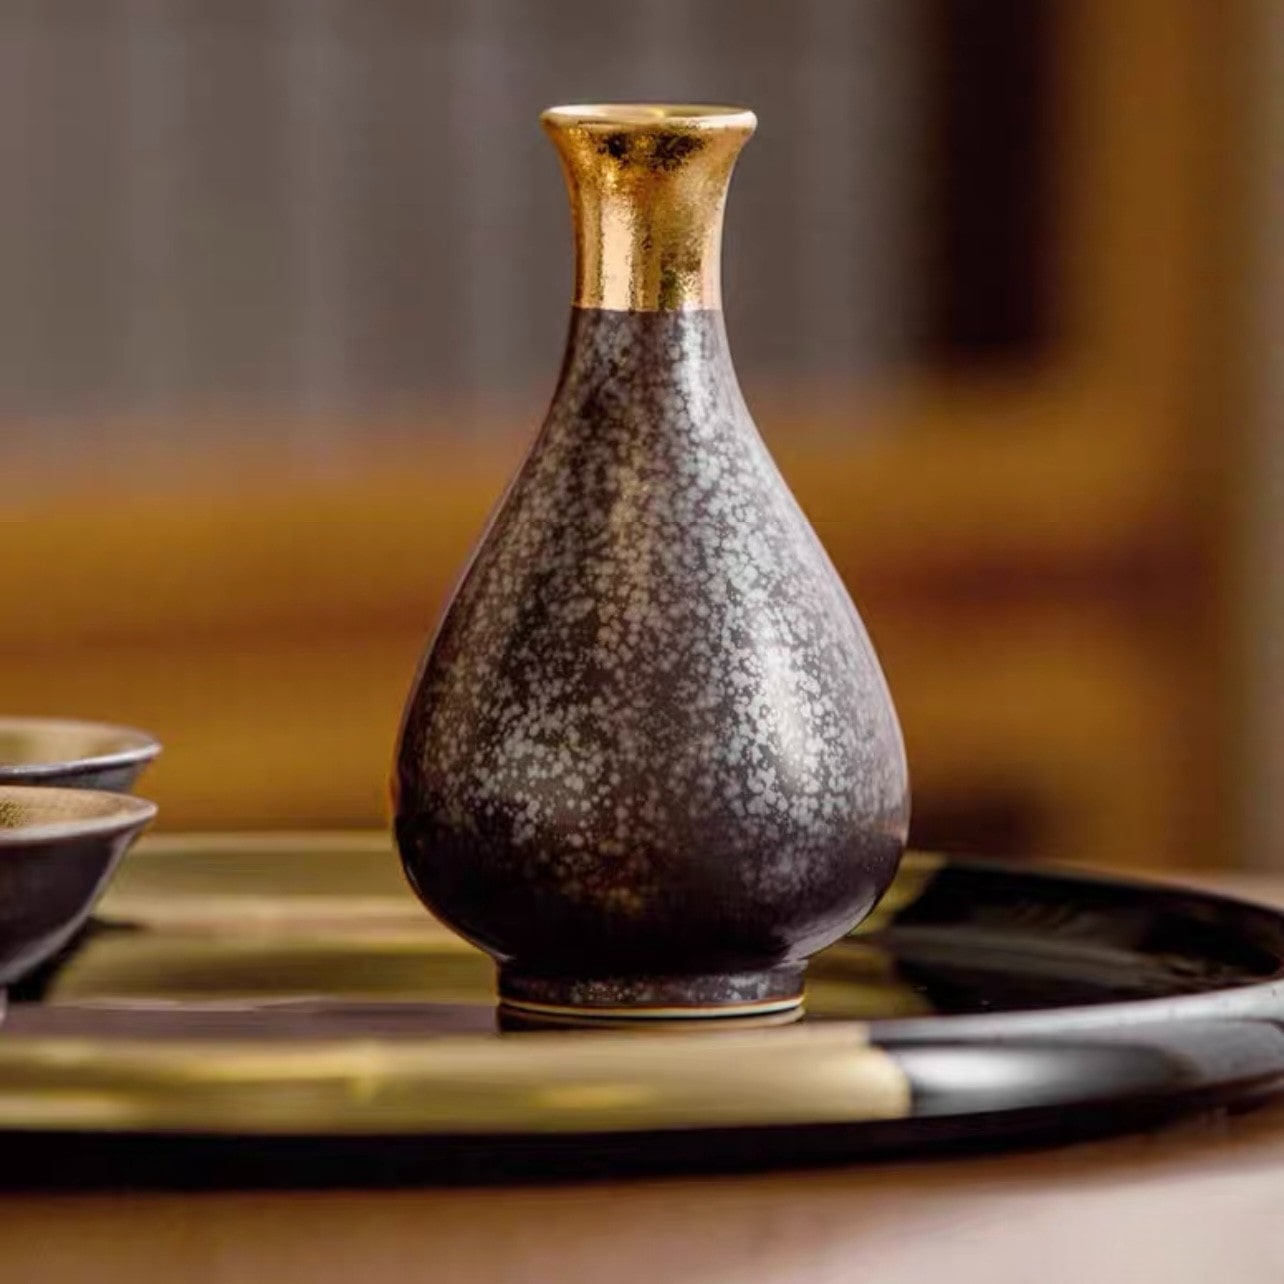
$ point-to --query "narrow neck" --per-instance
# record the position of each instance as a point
(647, 186)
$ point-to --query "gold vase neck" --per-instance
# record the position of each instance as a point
(648, 183)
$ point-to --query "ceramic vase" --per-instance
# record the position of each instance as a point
(650, 762)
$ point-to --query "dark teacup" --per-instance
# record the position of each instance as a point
(58, 851)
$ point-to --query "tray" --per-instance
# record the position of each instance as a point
(264, 1010)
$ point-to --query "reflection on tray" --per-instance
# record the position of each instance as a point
(327, 921)
(125, 966)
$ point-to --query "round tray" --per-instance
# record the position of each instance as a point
(279, 1010)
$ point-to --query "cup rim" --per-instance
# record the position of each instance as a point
(102, 813)
(137, 747)
(643, 116)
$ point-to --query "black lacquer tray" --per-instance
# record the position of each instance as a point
(278, 1010)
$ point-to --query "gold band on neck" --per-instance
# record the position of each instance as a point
(647, 184)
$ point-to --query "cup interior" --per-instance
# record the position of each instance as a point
(27, 743)
(30, 813)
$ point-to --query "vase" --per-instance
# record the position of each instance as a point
(650, 763)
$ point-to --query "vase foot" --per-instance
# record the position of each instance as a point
(649, 998)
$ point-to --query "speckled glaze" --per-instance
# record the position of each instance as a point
(650, 761)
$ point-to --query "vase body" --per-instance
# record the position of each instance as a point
(650, 763)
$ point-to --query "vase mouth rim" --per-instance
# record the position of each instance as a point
(648, 115)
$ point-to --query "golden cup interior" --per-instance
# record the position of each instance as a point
(36, 812)
(49, 742)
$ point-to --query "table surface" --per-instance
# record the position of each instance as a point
(1198, 1201)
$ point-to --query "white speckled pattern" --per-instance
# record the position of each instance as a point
(651, 732)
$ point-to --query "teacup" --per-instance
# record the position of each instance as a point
(58, 851)
(73, 754)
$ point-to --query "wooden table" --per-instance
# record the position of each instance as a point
(1200, 1201)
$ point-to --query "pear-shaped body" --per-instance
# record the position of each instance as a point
(650, 763)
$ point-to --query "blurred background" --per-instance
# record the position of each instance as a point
(284, 293)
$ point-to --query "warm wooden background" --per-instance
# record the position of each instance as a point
(1039, 547)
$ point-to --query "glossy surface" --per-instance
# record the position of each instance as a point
(73, 754)
(58, 849)
(288, 990)
(651, 761)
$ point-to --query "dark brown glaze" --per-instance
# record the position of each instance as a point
(119, 778)
(651, 741)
